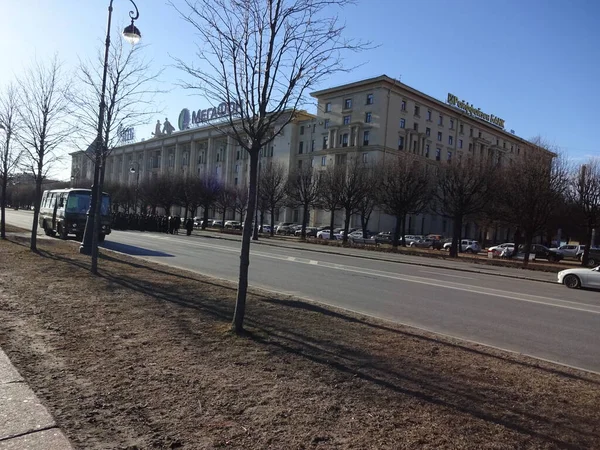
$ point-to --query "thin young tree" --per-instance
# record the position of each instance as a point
(584, 193)
(225, 202)
(303, 190)
(259, 59)
(209, 192)
(241, 201)
(370, 201)
(9, 154)
(405, 188)
(463, 190)
(272, 189)
(44, 111)
(332, 183)
(353, 189)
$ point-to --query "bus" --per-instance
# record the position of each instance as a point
(63, 212)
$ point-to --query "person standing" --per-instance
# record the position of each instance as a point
(189, 226)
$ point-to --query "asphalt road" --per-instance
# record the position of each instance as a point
(540, 319)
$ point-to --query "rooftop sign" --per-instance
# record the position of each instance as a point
(469, 109)
(206, 115)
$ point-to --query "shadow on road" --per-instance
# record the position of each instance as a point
(133, 250)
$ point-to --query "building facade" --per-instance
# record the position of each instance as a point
(370, 119)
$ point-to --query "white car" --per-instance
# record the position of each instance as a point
(569, 250)
(501, 247)
(576, 278)
(466, 245)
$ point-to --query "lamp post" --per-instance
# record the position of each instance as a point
(135, 170)
(92, 225)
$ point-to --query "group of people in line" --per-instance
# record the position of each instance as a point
(151, 222)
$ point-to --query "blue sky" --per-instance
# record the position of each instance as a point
(534, 63)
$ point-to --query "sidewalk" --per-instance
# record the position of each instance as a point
(25, 424)
(461, 266)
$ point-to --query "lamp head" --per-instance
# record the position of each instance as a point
(132, 34)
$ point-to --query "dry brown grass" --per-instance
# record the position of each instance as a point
(141, 357)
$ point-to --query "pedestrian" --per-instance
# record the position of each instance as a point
(189, 226)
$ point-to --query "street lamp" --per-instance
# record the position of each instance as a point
(133, 169)
(92, 225)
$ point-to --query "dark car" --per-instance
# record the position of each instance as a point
(543, 252)
(385, 237)
(310, 232)
(429, 243)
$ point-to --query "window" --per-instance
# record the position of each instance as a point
(450, 140)
(327, 107)
(414, 146)
(368, 117)
(403, 105)
(323, 160)
(470, 147)
(479, 134)
(460, 143)
(369, 99)
(452, 124)
(235, 181)
(300, 164)
(302, 129)
(366, 137)
(439, 136)
(401, 143)
(512, 147)
(461, 128)
(348, 103)
(417, 110)
(498, 142)
(438, 154)
(237, 155)
(300, 147)
(427, 151)
(416, 126)
(402, 123)
(428, 131)
(312, 145)
(449, 156)
(344, 140)
(237, 168)
(441, 120)
(504, 144)
(326, 123)
(365, 158)
(346, 120)
(471, 132)
(429, 115)
(325, 142)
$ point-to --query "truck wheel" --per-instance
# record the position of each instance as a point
(48, 231)
(101, 237)
(592, 262)
(62, 232)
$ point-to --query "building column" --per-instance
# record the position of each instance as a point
(145, 161)
(210, 156)
(177, 163)
(193, 162)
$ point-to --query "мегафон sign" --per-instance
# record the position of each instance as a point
(206, 115)
(469, 109)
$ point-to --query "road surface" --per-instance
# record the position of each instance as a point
(540, 319)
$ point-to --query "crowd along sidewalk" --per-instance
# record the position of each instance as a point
(25, 424)
(510, 272)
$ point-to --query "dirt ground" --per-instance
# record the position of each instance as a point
(141, 358)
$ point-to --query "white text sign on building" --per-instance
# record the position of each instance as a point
(469, 109)
(206, 115)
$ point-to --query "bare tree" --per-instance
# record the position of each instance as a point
(303, 189)
(406, 188)
(272, 189)
(354, 188)
(533, 191)
(9, 155)
(584, 193)
(259, 59)
(367, 204)
(241, 201)
(463, 190)
(209, 191)
(225, 202)
(332, 184)
(166, 191)
(44, 112)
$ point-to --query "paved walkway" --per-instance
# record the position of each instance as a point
(463, 266)
(25, 424)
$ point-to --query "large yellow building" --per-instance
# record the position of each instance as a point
(368, 119)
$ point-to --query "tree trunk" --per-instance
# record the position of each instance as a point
(204, 217)
(240, 303)
(456, 236)
(305, 216)
(272, 220)
(346, 226)
(588, 244)
(403, 231)
(3, 204)
(36, 211)
(397, 228)
(331, 224)
(517, 241)
(528, 241)
(363, 225)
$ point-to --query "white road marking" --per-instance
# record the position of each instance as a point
(313, 262)
(446, 274)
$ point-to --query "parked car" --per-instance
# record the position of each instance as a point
(429, 243)
(437, 237)
(310, 231)
(216, 223)
(466, 246)
(409, 238)
(501, 247)
(197, 221)
(543, 252)
(233, 224)
(593, 256)
(569, 250)
(265, 229)
(384, 237)
(284, 228)
(580, 277)
(324, 234)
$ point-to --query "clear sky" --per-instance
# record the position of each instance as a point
(534, 63)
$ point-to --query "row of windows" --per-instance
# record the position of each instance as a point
(365, 160)
(345, 120)
(348, 103)
(343, 141)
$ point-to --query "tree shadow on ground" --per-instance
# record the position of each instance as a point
(132, 250)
